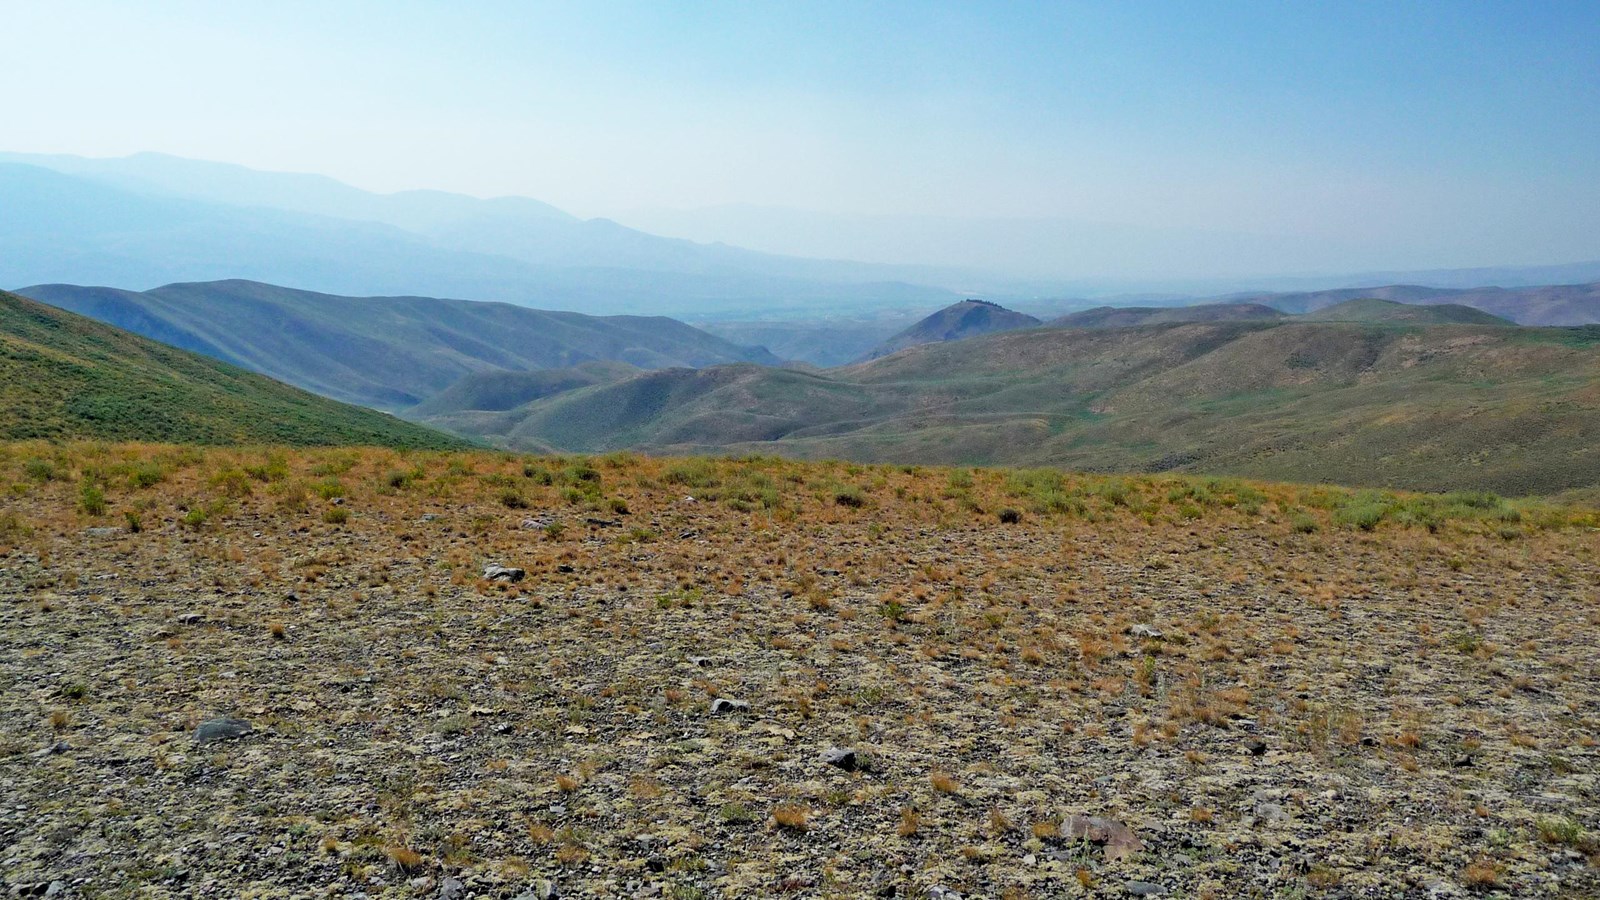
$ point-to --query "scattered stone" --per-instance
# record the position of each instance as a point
(102, 531)
(1116, 839)
(721, 705)
(603, 523)
(840, 757)
(541, 890)
(942, 893)
(191, 619)
(223, 728)
(1145, 889)
(701, 661)
(57, 748)
(503, 573)
(1256, 747)
(452, 889)
(1140, 630)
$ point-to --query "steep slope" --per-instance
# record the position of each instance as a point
(504, 389)
(956, 322)
(1129, 316)
(1373, 310)
(1438, 407)
(387, 352)
(66, 376)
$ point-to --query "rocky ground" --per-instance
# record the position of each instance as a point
(762, 678)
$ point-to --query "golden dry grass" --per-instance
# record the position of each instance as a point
(1423, 691)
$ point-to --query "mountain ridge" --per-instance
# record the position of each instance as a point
(386, 352)
(67, 376)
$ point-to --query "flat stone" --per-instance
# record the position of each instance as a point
(1144, 889)
(503, 573)
(1145, 631)
(223, 728)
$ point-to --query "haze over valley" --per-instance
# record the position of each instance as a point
(700, 450)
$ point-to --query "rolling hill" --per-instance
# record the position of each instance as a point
(385, 352)
(1128, 316)
(1436, 407)
(66, 376)
(1551, 304)
(956, 322)
(1375, 311)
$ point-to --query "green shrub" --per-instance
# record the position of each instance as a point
(336, 515)
(1303, 523)
(40, 470)
(1365, 516)
(91, 499)
(850, 496)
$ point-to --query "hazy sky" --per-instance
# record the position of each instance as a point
(1440, 133)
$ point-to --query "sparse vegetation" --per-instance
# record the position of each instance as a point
(973, 669)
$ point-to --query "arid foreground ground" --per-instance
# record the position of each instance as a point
(1256, 690)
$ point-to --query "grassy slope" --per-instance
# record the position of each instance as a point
(1554, 304)
(956, 322)
(1506, 409)
(1375, 310)
(63, 375)
(1129, 316)
(388, 352)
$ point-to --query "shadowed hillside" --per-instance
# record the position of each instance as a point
(1442, 407)
(62, 375)
(387, 352)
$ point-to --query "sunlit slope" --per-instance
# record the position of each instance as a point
(63, 375)
(1439, 407)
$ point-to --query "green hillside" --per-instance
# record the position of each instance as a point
(1377, 311)
(1447, 407)
(66, 376)
(956, 322)
(1130, 316)
(385, 352)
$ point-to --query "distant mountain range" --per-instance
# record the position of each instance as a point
(385, 352)
(146, 220)
(66, 376)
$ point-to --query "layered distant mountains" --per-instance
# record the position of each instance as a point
(150, 219)
(386, 352)
(66, 376)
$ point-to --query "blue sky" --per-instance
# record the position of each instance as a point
(1441, 133)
